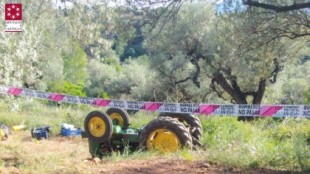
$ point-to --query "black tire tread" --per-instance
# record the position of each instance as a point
(192, 120)
(123, 113)
(109, 130)
(167, 123)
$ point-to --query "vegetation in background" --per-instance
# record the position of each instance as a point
(117, 52)
(69, 88)
(75, 65)
(307, 97)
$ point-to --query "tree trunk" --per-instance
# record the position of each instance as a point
(237, 95)
(257, 98)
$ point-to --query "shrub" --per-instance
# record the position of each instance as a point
(68, 88)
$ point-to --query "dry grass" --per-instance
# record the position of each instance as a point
(22, 154)
(59, 155)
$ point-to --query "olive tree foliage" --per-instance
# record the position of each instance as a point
(292, 87)
(293, 83)
(30, 58)
(134, 74)
(95, 27)
(45, 54)
(307, 100)
(282, 23)
(285, 18)
(99, 75)
(129, 81)
(92, 25)
(215, 46)
(75, 61)
(175, 73)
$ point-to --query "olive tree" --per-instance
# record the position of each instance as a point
(32, 57)
(217, 49)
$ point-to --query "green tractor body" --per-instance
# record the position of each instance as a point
(125, 135)
(111, 132)
(122, 138)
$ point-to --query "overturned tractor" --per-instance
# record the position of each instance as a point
(111, 131)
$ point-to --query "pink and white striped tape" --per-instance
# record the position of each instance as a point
(203, 108)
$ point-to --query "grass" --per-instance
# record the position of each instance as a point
(282, 144)
(23, 154)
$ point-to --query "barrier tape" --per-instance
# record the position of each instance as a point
(205, 109)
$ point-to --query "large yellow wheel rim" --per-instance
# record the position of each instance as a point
(117, 119)
(163, 140)
(96, 126)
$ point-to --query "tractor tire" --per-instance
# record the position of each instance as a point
(190, 121)
(165, 134)
(119, 117)
(98, 126)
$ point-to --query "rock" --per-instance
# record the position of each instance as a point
(97, 160)
(205, 165)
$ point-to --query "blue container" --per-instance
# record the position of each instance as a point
(70, 132)
(39, 133)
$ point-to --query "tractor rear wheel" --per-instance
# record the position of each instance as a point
(119, 117)
(165, 134)
(190, 121)
(98, 126)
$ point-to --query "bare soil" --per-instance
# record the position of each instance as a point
(159, 166)
(21, 154)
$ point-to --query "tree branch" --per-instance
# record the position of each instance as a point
(277, 8)
(277, 69)
(182, 81)
(196, 73)
(213, 87)
(222, 81)
(234, 84)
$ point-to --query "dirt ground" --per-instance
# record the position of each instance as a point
(159, 166)
(21, 154)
